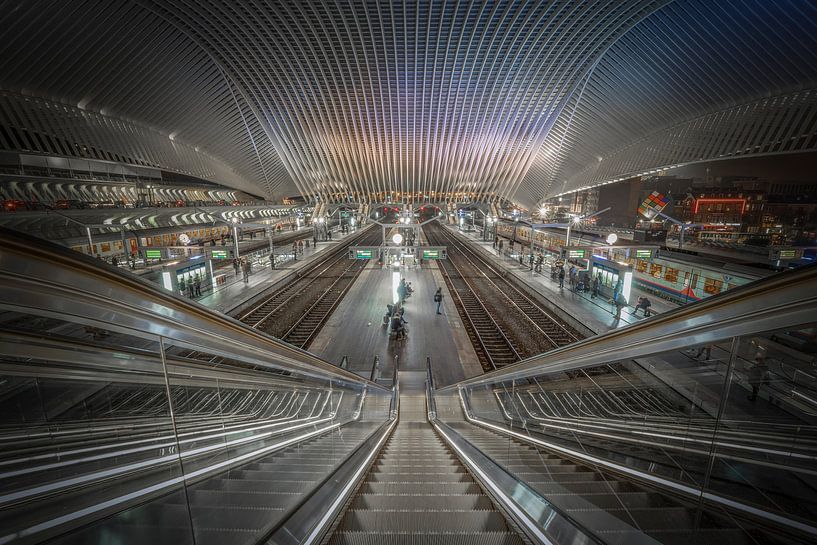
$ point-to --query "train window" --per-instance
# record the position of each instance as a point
(641, 265)
(713, 286)
(105, 246)
(656, 270)
(117, 245)
(671, 275)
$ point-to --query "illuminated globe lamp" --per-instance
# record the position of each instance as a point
(397, 238)
(612, 238)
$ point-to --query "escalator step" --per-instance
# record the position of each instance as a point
(423, 521)
(428, 538)
(414, 477)
(428, 501)
(420, 488)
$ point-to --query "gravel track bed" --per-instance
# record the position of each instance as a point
(488, 287)
(314, 287)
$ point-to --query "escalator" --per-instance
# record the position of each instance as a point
(418, 491)
(621, 510)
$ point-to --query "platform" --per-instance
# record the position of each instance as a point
(597, 315)
(232, 295)
(356, 329)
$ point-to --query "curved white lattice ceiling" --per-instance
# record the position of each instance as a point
(491, 99)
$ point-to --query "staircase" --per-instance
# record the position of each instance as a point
(418, 492)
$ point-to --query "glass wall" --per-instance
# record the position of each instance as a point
(114, 435)
(707, 440)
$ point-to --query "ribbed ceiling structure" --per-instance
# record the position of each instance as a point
(417, 100)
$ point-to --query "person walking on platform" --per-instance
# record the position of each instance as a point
(295, 251)
(540, 259)
(236, 266)
(329, 234)
(401, 291)
(561, 277)
(246, 269)
(501, 243)
(496, 239)
(758, 376)
(530, 260)
(315, 240)
(272, 260)
(301, 247)
(438, 298)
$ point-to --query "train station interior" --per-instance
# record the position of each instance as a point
(347, 272)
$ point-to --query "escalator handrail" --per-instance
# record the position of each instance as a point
(784, 300)
(46, 278)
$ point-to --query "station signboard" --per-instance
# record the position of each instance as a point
(643, 254)
(153, 254)
(436, 252)
(580, 253)
(363, 252)
(784, 254)
(219, 254)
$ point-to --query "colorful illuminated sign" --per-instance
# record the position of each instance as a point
(363, 254)
(698, 203)
(576, 254)
(153, 254)
(219, 254)
(653, 204)
(643, 254)
(431, 254)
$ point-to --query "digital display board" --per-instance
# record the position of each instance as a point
(643, 254)
(576, 254)
(788, 254)
(153, 254)
(363, 254)
(219, 254)
(431, 254)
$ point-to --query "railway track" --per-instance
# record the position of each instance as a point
(296, 312)
(505, 323)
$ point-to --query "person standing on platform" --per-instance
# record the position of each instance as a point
(301, 247)
(236, 266)
(530, 260)
(596, 286)
(306, 243)
(183, 286)
(246, 267)
(501, 243)
(329, 234)
(561, 277)
(496, 239)
(315, 240)
(438, 298)
(272, 260)
(619, 303)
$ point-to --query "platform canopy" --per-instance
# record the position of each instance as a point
(410, 101)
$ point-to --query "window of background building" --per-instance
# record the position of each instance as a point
(656, 270)
(671, 275)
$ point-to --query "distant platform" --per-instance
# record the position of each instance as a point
(356, 328)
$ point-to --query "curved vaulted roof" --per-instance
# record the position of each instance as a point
(499, 98)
